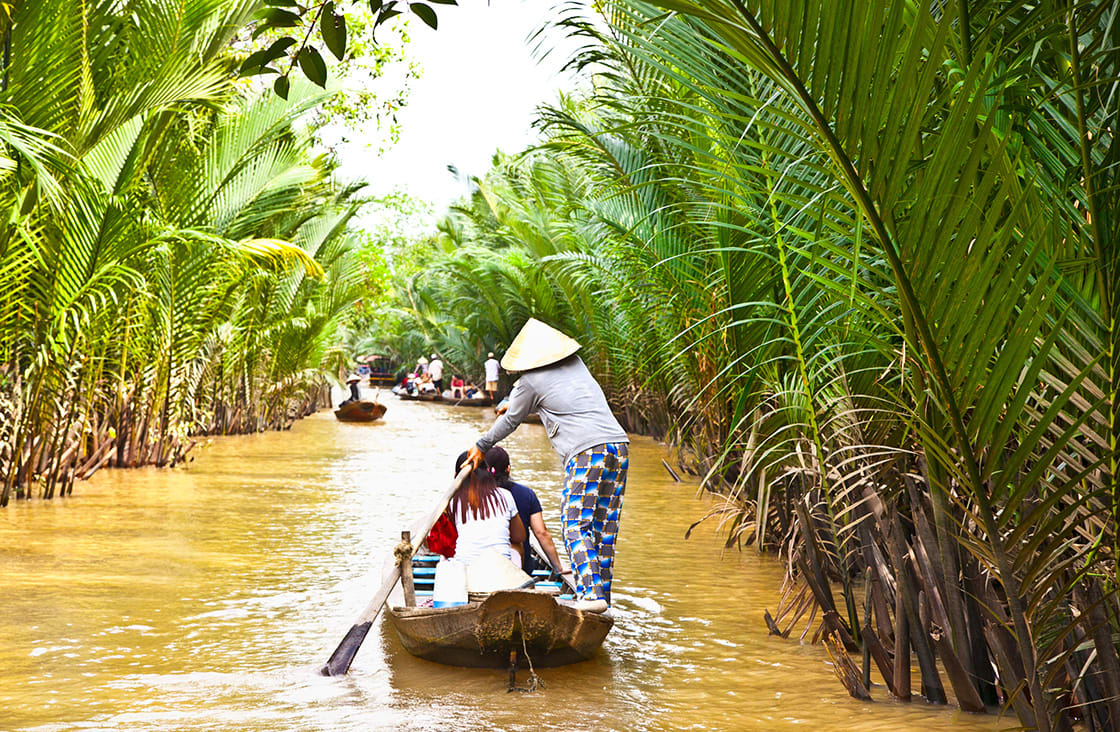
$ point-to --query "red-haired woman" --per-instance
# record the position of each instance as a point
(485, 517)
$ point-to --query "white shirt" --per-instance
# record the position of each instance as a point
(475, 535)
(435, 368)
(491, 369)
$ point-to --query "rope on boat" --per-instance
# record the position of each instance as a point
(403, 552)
(535, 682)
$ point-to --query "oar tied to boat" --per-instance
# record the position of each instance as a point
(529, 625)
(343, 656)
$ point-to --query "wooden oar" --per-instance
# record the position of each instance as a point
(339, 662)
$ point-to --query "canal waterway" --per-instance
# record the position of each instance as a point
(206, 598)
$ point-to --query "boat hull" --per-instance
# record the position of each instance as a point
(482, 634)
(362, 411)
(468, 402)
(420, 397)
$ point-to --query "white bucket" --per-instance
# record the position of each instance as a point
(451, 584)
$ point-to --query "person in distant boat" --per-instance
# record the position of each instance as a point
(355, 394)
(528, 508)
(491, 367)
(425, 385)
(435, 368)
(421, 366)
(485, 517)
(457, 387)
(556, 384)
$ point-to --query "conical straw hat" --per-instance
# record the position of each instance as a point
(537, 345)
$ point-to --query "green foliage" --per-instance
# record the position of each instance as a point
(175, 260)
(330, 21)
(863, 253)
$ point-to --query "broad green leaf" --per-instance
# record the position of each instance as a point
(313, 65)
(425, 13)
(281, 87)
(257, 62)
(277, 18)
(333, 28)
(254, 61)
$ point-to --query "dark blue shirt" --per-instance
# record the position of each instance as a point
(527, 504)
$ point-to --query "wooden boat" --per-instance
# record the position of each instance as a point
(478, 401)
(361, 411)
(428, 397)
(496, 629)
(379, 370)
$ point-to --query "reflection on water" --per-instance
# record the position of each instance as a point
(205, 598)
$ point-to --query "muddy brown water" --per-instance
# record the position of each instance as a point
(206, 598)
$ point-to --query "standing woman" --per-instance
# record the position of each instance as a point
(556, 384)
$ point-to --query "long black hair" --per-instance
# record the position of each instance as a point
(479, 493)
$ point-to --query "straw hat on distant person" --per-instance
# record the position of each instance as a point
(537, 345)
(422, 360)
(352, 378)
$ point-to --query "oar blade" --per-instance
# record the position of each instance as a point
(339, 662)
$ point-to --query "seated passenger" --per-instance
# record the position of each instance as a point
(485, 517)
(355, 394)
(456, 387)
(528, 509)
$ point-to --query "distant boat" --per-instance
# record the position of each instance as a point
(490, 629)
(378, 369)
(481, 399)
(433, 396)
(361, 411)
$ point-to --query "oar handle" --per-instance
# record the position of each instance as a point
(343, 656)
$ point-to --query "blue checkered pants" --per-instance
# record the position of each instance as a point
(590, 510)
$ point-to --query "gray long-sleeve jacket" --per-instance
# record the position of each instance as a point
(571, 404)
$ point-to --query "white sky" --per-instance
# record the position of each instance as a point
(477, 93)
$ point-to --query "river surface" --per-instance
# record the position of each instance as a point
(206, 598)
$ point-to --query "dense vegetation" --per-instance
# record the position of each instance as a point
(174, 258)
(859, 260)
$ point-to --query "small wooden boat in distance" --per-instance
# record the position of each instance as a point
(433, 396)
(482, 399)
(486, 633)
(360, 411)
